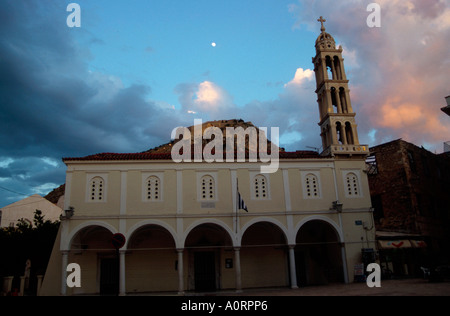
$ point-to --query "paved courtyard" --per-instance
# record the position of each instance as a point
(405, 287)
(400, 287)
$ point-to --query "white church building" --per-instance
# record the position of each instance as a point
(183, 230)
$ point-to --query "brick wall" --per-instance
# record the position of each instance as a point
(411, 190)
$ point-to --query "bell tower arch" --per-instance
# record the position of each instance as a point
(337, 119)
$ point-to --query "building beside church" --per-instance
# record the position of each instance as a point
(306, 223)
(25, 209)
(409, 189)
(446, 109)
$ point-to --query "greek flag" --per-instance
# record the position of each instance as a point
(241, 203)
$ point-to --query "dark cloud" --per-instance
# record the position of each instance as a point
(53, 106)
(5, 173)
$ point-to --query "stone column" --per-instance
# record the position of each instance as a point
(343, 135)
(328, 100)
(333, 70)
(341, 65)
(237, 268)
(323, 64)
(292, 267)
(39, 284)
(8, 281)
(65, 258)
(22, 285)
(122, 288)
(338, 101)
(348, 101)
(335, 132)
(180, 272)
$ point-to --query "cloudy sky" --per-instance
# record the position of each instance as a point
(134, 70)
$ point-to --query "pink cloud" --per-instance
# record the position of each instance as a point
(301, 75)
(428, 9)
(401, 74)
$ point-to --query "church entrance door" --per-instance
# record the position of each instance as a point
(109, 276)
(205, 271)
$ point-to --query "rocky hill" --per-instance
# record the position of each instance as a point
(55, 194)
(222, 125)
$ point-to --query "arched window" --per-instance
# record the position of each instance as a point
(153, 188)
(339, 133)
(337, 67)
(97, 189)
(312, 186)
(207, 188)
(328, 64)
(349, 133)
(343, 99)
(260, 187)
(352, 185)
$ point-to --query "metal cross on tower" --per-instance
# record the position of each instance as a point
(321, 20)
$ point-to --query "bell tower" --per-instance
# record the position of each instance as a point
(337, 119)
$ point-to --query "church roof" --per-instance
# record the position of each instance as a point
(326, 38)
(301, 154)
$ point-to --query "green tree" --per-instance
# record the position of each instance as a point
(26, 241)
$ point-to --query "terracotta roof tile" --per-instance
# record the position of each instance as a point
(167, 156)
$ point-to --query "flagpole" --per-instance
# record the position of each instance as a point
(237, 204)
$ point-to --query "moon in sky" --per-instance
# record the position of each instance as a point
(213, 44)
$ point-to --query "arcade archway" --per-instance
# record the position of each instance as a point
(264, 256)
(318, 254)
(208, 246)
(92, 249)
(151, 260)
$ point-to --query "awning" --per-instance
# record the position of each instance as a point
(418, 243)
(401, 244)
(394, 244)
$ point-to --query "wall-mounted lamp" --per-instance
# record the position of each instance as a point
(67, 213)
(337, 206)
(70, 211)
